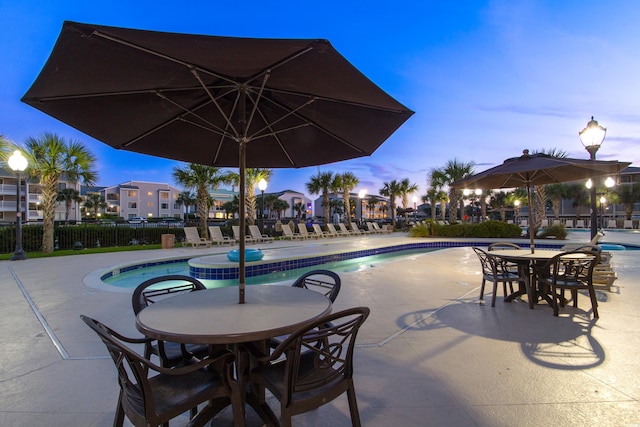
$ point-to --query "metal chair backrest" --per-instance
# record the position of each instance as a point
(324, 281)
(143, 297)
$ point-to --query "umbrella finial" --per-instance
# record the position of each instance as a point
(525, 152)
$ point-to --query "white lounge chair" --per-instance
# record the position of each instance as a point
(192, 237)
(218, 238)
(290, 235)
(612, 223)
(568, 223)
(320, 233)
(580, 223)
(628, 223)
(385, 230)
(356, 229)
(332, 229)
(236, 235)
(372, 229)
(302, 229)
(258, 236)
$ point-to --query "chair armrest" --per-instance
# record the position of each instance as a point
(226, 355)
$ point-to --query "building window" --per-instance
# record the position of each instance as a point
(164, 195)
(133, 205)
(164, 205)
(150, 204)
(149, 193)
(132, 194)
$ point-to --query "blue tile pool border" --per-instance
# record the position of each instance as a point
(266, 267)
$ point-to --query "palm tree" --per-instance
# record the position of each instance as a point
(432, 198)
(346, 182)
(581, 197)
(186, 199)
(68, 196)
(372, 201)
(252, 177)
(628, 195)
(556, 192)
(321, 184)
(454, 170)
(299, 209)
(6, 147)
(95, 202)
(391, 189)
(280, 206)
(405, 188)
(50, 157)
(199, 178)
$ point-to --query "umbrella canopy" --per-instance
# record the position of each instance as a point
(218, 101)
(538, 169)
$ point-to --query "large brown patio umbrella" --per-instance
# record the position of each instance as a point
(530, 170)
(218, 101)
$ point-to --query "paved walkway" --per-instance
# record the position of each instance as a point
(430, 354)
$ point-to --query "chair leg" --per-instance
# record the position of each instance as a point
(495, 291)
(557, 299)
(594, 301)
(574, 296)
(118, 420)
(353, 406)
(482, 289)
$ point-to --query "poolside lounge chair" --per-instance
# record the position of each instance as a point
(192, 237)
(612, 223)
(290, 235)
(341, 230)
(236, 235)
(356, 229)
(318, 231)
(384, 230)
(372, 229)
(628, 223)
(218, 238)
(302, 229)
(569, 223)
(580, 223)
(331, 230)
(262, 238)
(344, 229)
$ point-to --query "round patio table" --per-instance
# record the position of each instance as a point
(213, 316)
(526, 261)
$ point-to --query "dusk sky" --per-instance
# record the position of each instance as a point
(486, 79)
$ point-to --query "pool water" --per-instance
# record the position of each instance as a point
(133, 278)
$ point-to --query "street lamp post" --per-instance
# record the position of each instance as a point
(262, 185)
(18, 164)
(516, 203)
(592, 136)
(361, 195)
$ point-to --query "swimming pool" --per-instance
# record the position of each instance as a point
(132, 278)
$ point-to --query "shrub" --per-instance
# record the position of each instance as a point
(495, 229)
(420, 230)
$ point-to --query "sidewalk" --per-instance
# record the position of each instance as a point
(429, 354)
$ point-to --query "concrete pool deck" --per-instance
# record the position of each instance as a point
(429, 354)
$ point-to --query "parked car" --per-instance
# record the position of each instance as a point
(171, 221)
(137, 220)
(106, 223)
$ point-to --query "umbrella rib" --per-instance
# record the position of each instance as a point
(159, 55)
(194, 71)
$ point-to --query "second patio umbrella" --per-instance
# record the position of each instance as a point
(218, 101)
(530, 170)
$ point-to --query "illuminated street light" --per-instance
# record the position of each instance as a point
(262, 185)
(18, 164)
(592, 137)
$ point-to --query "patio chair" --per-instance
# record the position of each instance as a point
(258, 236)
(151, 395)
(317, 366)
(236, 235)
(302, 229)
(332, 229)
(156, 289)
(492, 271)
(512, 267)
(192, 237)
(218, 238)
(571, 270)
(356, 229)
(290, 235)
(325, 282)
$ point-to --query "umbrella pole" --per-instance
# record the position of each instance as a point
(241, 211)
(531, 236)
